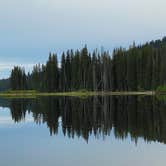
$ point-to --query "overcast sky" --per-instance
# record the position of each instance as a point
(30, 29)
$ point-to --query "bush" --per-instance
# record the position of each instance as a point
(161, 88)
(83, 91)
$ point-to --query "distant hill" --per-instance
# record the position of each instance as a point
(4, 84)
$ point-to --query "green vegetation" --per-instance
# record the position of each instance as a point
(18, 79)
(161, 92)
(140, 68)
(4, 84)
(81, 93)
(161, 89)
(19, 94)
(33, 93)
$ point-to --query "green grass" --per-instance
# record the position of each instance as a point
(161, 89)
(20, 92)
(81, 93)
(32, 93)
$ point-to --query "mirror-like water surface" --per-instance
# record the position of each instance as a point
(68, 131)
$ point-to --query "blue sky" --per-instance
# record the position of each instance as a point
(29, 30)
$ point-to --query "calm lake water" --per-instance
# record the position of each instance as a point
(69, 131)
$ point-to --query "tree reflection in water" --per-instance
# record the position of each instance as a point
(138, 116)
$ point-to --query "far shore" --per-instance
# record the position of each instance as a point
(32, 94)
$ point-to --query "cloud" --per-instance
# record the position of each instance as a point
(8, 66)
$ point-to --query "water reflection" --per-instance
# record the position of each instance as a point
(138, 116)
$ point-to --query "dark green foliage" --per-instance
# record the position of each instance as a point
(161, 88)
(18, 79)
(52, 74)
(138, 68)
(4, 84)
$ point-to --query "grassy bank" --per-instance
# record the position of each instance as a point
(161, 89)
(19, 94)
(83, 93)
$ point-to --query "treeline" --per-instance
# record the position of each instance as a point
(137, 68)
(4, 84)
(18, 79)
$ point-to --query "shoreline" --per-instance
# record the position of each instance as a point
(32, 94)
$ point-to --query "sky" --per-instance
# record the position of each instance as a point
(29, 30)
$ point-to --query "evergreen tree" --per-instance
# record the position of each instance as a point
(140, 67)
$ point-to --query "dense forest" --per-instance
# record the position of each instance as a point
(140, 67)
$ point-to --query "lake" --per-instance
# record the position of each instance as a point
(69, 131)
